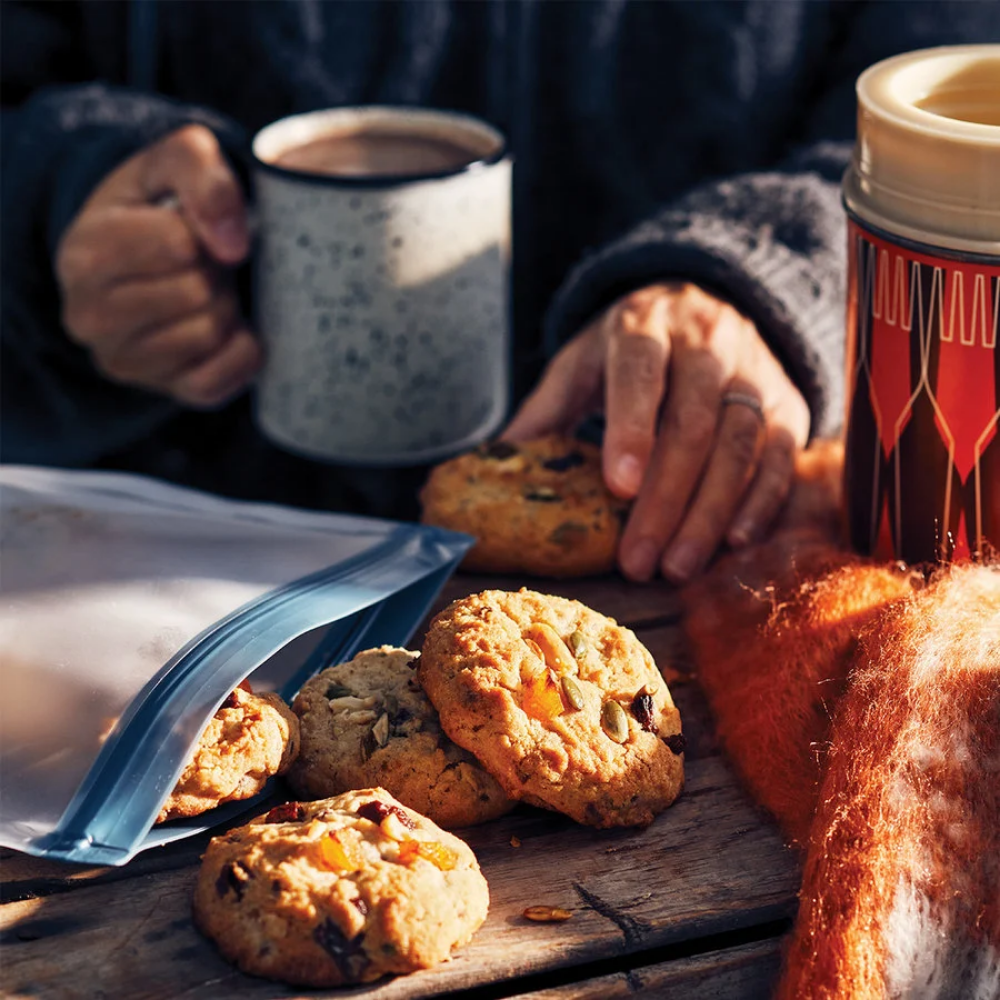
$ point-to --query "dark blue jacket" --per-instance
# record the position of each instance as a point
(702, 139)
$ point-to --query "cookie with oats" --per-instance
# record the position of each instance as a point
(538, 507)
(342, 890)
(251, 738)
(368, 722)
(562, 705)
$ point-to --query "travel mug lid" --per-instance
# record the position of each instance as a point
(927, 158)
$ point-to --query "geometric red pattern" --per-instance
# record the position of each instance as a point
(922, 469)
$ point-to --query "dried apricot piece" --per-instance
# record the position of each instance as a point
(541, 696)
(341, 854)
(430, 850)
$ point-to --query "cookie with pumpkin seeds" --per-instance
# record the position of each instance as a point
(562, 705)
(367, 722)
(538, 507)
(338, 891)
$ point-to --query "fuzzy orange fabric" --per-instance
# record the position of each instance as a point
(896, 802)
(773, 628)
(774, 661)
(901, 888)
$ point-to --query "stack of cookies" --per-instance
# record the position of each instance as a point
(351, 887)
(515, 697)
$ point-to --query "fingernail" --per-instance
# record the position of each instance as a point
(628, 474)
(231, 235)
(682, 560)
(639, 559)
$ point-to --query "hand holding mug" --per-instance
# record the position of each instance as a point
(702, 422)
(145, 272)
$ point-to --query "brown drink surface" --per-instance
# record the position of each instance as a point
(372, 153)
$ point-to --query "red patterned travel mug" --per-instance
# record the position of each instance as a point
(922, 467)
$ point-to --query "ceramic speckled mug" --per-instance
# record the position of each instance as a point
(382, 297)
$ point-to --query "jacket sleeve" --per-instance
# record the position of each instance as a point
(774, 242)
(56, 147)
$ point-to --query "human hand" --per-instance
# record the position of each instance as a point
(702, 423)
(145, 271)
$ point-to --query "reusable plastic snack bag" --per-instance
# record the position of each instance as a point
(130, 609)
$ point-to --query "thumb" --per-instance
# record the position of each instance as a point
(563, 397)
(189, 164)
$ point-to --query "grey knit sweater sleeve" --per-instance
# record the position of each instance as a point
(772, 243)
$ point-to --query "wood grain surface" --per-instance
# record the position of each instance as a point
(693, 906)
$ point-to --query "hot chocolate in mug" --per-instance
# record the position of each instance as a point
(381, 283)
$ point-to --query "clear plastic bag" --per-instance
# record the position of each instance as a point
(129, 609)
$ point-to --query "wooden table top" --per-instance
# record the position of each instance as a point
(695, 906)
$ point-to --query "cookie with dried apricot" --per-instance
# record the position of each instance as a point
(250, 739)
(367, 722)
(538, 507)
(562, 705)
(342, 890)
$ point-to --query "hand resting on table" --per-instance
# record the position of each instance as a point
(702, 423)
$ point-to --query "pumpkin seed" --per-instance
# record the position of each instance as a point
(352, 703)
(573, 693)
(380, 731)
(547, 914)
(557, 657)
(542, 494)
(614, 721)
(578, 643)
(568, 535)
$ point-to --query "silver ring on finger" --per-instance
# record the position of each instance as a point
(745, 399)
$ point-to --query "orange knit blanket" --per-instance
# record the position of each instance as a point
(861, 705)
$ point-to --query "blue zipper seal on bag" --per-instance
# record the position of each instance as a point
(116, 803)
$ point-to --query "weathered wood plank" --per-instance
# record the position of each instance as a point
(24, 877)
(708, 865)
(612, 595)
(745, 973)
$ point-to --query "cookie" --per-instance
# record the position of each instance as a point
(343, 890)
(251, 738)
(367, 722)
(539, 507)
(563, 706)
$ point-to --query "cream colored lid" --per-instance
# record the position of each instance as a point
(927, 160)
